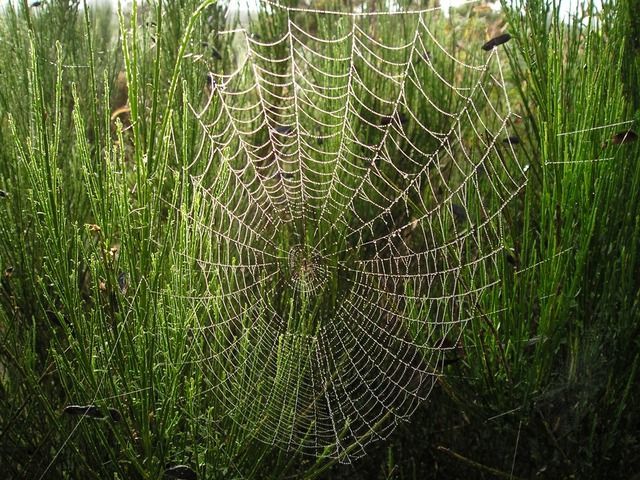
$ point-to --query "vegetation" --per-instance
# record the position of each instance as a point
(100, 361)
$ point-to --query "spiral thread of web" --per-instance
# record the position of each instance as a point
(350, 179)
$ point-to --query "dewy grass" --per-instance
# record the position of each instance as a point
(103, 302)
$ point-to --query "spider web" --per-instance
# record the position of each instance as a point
(348, 190)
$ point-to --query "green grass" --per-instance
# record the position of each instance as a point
(102, 302)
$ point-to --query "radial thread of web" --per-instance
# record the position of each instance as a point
(350, 181)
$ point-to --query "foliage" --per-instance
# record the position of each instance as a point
(95, 298)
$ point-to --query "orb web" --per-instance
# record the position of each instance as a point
(346, 216)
